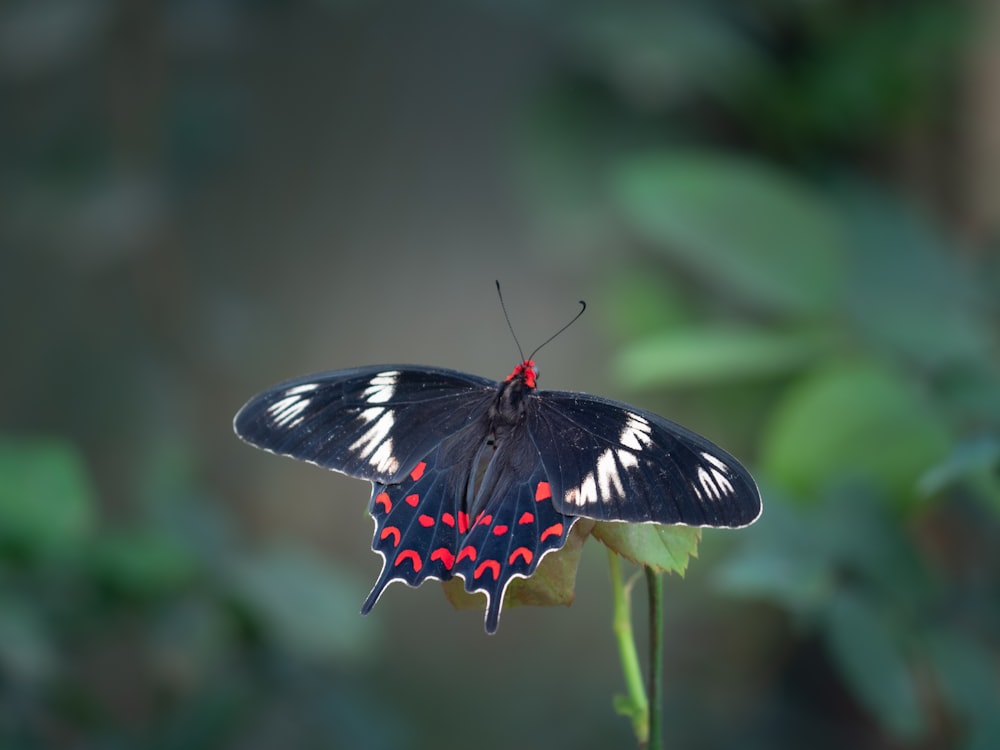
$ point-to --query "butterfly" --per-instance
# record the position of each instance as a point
(481, 479)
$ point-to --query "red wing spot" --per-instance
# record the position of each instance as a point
(445, 556)
(526, 517)
(555, 529)
(382, 498)
(491, 565)
(448, 519)
(390, 531)
(463, 521)
(412, 500)
(425, 520)
(485, 520)
(466, 552)
(500, 529)
(412, 556)
(524, 552)
(418, 471)
(542, 492)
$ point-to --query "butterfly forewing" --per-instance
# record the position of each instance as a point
(613, 462)
(373, 423)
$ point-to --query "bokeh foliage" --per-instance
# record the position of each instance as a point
(783, 275)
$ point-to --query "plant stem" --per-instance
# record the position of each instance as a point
(654, 584)
(634, 704)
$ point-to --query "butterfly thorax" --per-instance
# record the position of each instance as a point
(508, 408)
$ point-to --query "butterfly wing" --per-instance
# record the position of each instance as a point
(441, 522)
(373, 423)
(420, 435)
(612, 462)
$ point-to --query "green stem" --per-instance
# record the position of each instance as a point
(634, 704)
(654, 584)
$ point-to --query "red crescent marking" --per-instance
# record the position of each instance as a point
(445, 556)
(486, 520)
(524, 552)
(466, 552)
(412, 556)
(542, 492)
(463, 521)
(390, 531)
(553, 530)
(526, 517)
(425, 520)
(382, 498)
(418, 471)
(448, 519)
(492, 565)
(412, 500)
(500, 529)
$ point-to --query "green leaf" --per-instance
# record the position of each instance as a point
(662, 548)
(696, 356)
(303, 602)
(143, 562)
(973, 463)
(869, 657)
(27, 653)
(965, 674)
(553, 582)
(46, 499)
(782, 558)
(740, 225)
(638, 302)
(909, 292)
(859, 422)
(659, 52)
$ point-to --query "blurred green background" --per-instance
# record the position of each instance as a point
(784, 217)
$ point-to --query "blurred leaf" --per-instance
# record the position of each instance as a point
(662, 548)
(908, 289)
(797, 556)
(143, 562)
(859, 76)
(303, 602)
(868, 655)
(741, 225)
(26, 651)
(553, 582)
(777, 577)
(638, 302)
(984, 734)
(696, 356)
(46, 500)
(975, 462)
(781, 558)
(965, 672)
(657, 53)
(852, 422)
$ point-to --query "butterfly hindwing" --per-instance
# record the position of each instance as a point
(514, 527)
(613, 462)
(416, 528)
(440, 522)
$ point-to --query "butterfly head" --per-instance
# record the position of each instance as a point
(526, 372)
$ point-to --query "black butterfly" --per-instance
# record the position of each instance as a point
(480, 479)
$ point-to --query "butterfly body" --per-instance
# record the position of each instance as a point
(480, 479)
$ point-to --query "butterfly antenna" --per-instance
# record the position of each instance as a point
(507, 318)
(583, 306)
